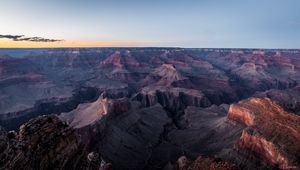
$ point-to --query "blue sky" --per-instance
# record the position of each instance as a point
(194, 23)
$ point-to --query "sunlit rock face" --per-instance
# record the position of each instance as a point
(150, 108)
(88, 113)
(272, 134)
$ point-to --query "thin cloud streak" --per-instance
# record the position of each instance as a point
(29, 39)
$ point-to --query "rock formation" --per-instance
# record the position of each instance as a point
(42, 143)
(46, 143)
(88, 113)
(272, 134)
(173, 99)
(143, 108)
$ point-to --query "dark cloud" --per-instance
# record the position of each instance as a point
(32, 39)
(13, 37)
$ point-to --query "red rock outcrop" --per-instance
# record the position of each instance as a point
(242, 115)
(272, 133)
(250, 142)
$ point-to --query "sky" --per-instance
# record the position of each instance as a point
(150, 23)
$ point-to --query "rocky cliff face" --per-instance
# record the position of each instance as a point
(42, 143)
(242, 115)
(88, 113)
(272, 134)
(46, 143)
(250, 142)
(173, 99)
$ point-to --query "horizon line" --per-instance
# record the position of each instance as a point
(174, 47)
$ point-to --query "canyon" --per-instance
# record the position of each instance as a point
(149, 108)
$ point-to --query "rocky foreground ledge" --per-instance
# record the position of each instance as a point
(46, 143)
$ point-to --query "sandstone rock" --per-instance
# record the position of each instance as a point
(265, 149)
(88, 113)
(272, 133)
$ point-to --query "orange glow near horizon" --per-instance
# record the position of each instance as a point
(65, 44)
